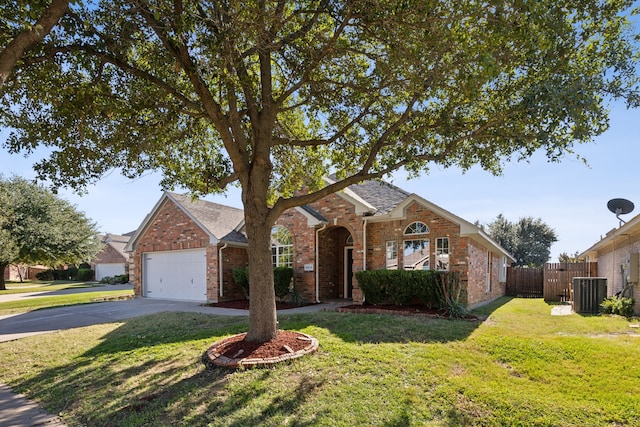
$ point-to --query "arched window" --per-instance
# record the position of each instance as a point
(281, 247)
(416, 228)
(349, 241)
(416, 252)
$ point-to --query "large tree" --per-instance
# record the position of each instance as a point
(272, 95)
(529, 240)
(37, 227)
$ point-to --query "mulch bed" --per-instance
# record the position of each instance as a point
(400, 310)
(243, 304)
(235, 352)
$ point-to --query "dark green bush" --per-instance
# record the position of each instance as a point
(45, 275)
(372, 285)
(85, 274)
(123, 278)
(425, 287)
(282, 280)
(72, 273)
(432, 288)
(241, 278)
(618, 305)
(399, 285)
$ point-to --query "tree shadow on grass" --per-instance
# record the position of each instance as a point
(148, 371)
(391, 328)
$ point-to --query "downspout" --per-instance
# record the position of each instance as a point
(364, 244)
(221, 273)
(324, 226)
(364, 249)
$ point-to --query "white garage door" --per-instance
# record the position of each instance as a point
(109, 270)
(179, 275)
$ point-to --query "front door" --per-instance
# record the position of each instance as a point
(348, 272)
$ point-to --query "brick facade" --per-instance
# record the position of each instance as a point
(612, 257)
(338, 242)
(172, 229)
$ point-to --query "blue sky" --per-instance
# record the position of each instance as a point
(568, 196)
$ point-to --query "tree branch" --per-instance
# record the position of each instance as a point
(26, 39)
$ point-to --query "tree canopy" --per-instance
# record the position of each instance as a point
(529, 240)
(271, 95)
(36, 227)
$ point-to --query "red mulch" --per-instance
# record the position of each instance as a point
(236, 347)
(403, 310)
(243, 304)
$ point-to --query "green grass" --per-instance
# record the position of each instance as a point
(521, 366)
(30, 304)
(42, 286)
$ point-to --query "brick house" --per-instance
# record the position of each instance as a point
(617, 255)
(112, 260)
(372, 225)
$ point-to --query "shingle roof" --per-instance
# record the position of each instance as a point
(220, 220)
(117, 242)
(380, 194)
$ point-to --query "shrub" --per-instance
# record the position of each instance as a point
(450, 294)
(45, 275)
(618, 305)
(241, 278)
(282, 277)
(399, 285)
(371, 285)
(85, 274)
(108, 280)
(123, 279)
(72, 273)
(425, 287)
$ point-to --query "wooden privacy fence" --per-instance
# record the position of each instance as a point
(525, 282)
(553, 282)
(559, 276)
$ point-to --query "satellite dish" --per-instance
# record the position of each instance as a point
(620, 207)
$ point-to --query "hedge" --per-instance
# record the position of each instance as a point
(432, 288)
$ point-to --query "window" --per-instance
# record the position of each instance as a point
(281, 247)
(349, 241)
(442, 253)
(416, 255)
(416, 228)
(503, 269)
(488, 289)
(392, 255)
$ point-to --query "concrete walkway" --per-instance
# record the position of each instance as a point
(15, 409)
(18, 411)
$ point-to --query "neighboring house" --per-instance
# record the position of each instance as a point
(22, 272)
(617, 256)
(112, 260)
(187, 249)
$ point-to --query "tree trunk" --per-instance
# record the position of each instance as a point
(3, 285)
(263, 323)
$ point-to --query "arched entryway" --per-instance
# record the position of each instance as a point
(335, 264)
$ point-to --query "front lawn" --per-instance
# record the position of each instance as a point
(44, 286)
(519, 367)
(36, 303)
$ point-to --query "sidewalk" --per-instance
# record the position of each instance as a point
(18, 411)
